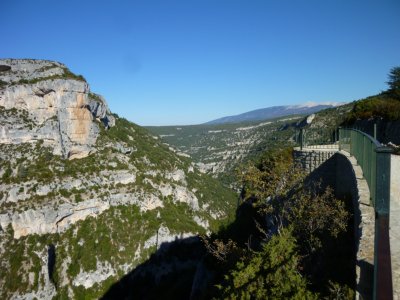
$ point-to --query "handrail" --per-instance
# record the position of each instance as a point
(374, 160)
(316, 138)
(362, 146)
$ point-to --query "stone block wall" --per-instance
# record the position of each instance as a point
(310, 159)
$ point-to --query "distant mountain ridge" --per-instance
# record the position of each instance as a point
(275, 112)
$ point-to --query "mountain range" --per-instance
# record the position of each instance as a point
(275, 112)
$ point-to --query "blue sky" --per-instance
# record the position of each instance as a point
(186, 62)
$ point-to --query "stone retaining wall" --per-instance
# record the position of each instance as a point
(340, 171)
(310, 159)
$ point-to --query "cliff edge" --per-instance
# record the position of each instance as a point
(57, 104)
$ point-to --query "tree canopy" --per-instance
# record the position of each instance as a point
(394, 81)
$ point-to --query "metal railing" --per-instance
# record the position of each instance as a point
(313, 138)
(362, 147)
(374, 160)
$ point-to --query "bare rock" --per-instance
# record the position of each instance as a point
(88, 279)
(164, 235)
(49, 219)
(59, 107)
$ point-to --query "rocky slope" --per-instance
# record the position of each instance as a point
(219, 149)
(85, 196)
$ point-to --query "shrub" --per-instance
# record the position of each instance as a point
(271, 273)
(380, 106)
(66, 75)
(2, 83)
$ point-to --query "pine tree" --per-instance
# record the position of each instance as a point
(394, 82)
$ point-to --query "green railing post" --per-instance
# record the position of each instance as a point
(334, 135)
(301, 139)
(383, 287)
(382, 198)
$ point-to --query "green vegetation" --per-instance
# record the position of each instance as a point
(67, 74)
(379, 106)
(95, 97)
(385, 105)
(114, 236)
(2, 84)
(46, 68)
(271, 273)
(284, 229)
(224, 148)
(19, 116)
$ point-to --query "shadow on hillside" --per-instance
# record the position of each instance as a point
(181, 269)
(169, 273)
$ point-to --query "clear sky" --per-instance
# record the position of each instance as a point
(191, 61)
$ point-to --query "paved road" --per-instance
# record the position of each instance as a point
(395, 245)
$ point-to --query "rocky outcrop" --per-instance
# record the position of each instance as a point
(99, 109)
(164, 235)
(51, 220)
(58, 106)
(88, 279)
(57, 219)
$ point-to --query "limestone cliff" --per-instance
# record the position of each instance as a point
(60, 109)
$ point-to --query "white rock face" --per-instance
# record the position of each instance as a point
(58, 218)
(179, 194)
(144, 201)
(310, 118)
(88, 279)
(177, 175)
(182, 194)
(51, 220)
(60, 109)
(164, 236)
(201, 222)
